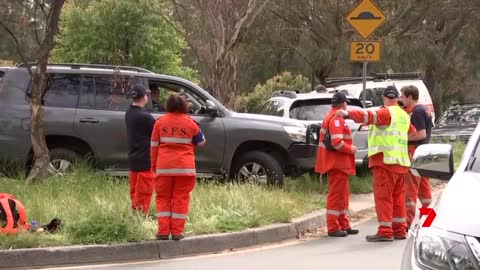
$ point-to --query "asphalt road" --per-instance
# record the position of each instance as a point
(351, 252)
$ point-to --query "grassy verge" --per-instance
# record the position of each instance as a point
(320, 186)
(95, 209)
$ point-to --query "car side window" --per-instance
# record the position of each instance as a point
(62, 91)
(161, 90)
(377, 96)
(87, 93)
(110, 97)
(369, 96)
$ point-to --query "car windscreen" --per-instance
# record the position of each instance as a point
(316, 109)
(461, 115)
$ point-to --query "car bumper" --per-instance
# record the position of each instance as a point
(305, 155)
(408, 259)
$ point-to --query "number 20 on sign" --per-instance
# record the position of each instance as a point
(365, 51)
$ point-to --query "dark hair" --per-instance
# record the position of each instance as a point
(410, 91)
(176, 104)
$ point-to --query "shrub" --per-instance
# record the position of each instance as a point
(253, 101)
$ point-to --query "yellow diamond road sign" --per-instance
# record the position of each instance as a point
(366, 17)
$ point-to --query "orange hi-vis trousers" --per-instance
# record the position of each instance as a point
(141, 189)
(337, 201)
(389, 194)
(173, 199)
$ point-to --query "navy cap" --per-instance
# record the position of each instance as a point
(391, 92)
(339, 98)
(138, 91)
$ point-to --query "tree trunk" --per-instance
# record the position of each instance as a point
(41, 157)
(224, 82)
(430, 83)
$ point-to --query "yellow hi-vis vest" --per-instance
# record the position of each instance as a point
(391, 140)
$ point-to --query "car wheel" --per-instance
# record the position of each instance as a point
(61, 161)
(259, 168)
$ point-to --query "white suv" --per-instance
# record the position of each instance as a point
(376, 85)
(311, 108)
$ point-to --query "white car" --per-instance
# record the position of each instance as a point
(375, 86)
(311, 108)
(452, 239)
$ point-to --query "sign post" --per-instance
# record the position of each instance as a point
(365, 18)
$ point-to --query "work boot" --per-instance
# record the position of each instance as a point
(177, 237)
(162, 237)
(339, 233)
(378, 238)
(352, 231)
(400, 237)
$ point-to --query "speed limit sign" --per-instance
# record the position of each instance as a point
(365, 51)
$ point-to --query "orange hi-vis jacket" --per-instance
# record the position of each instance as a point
(343, 159)
(172, 147)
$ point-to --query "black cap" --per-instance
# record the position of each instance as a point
(391, 92)
(339, 98)
(138, 91)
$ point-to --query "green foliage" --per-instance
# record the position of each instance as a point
(253, 101)
(121, 32)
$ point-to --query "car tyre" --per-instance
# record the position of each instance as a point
(270, 170)
(62, 160)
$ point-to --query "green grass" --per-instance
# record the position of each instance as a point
(96, 209)
(458, 149)
(307, 183)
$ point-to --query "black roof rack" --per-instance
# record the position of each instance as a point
(402, 75)
(78, 66)
(332, 82)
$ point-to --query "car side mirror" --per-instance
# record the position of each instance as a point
(433, 161)
(210, 107)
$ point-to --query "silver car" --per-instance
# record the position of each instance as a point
(311, 109)
(452, 241)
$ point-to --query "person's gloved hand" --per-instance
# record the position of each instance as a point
(342, 113)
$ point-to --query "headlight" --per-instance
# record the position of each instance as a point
(437, 249)
(298, 134)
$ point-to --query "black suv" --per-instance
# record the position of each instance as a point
(84, 116)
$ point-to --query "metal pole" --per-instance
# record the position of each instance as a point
(364, 84)
(312, 80)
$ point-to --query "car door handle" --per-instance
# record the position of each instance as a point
(89, 120)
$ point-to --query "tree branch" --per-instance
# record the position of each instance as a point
(18, 47)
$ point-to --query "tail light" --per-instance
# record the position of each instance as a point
(363, 127)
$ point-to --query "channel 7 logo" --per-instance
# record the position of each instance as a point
(430, 213)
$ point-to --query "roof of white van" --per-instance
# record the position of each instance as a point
(357, 87)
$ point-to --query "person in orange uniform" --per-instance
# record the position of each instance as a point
(422, 120)
(388, 157)
(338, 163)
(174, 137)
(139, 125)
